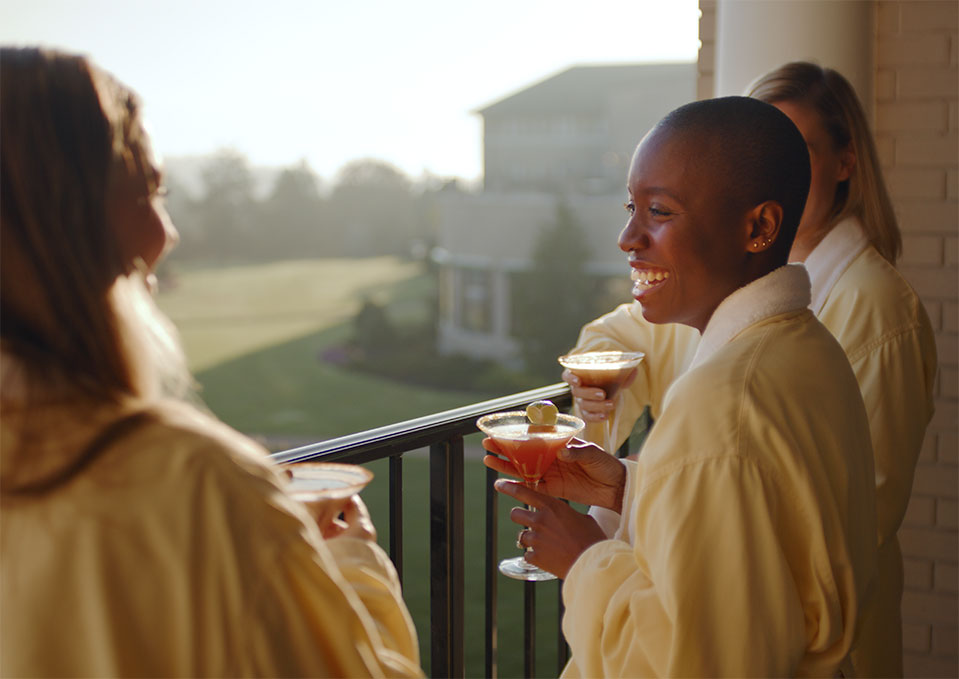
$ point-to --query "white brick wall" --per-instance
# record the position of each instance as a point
(917, 134)
(916, 103)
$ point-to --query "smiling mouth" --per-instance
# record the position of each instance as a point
(647, 279)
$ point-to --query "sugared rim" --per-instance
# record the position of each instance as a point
(600, 358)
(487, 422)
(332, 479)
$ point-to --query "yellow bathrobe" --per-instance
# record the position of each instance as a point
(748, 547)
(178, 553)
(885, 331)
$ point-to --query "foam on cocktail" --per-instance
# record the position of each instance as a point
(606, 370)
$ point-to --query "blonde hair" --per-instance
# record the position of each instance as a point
(864, 194)
(73, 314)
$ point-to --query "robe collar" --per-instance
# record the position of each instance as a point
(830, 259)
(781, 291)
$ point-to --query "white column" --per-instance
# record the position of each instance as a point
(756, 36)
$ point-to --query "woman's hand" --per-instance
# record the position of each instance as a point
(556, 535)
(347, 516)
(591, 402)
(583, 472)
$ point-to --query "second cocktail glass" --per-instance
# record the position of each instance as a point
(603, 369)
(532, 449)
(606, 370)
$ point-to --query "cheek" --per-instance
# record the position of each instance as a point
(159, 236)
(144, 233)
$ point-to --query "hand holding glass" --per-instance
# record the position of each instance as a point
(326, 489)
(532, 449)
(606, 370)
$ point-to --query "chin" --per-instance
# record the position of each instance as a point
(651, 315)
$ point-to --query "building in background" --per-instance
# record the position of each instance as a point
(567, 138)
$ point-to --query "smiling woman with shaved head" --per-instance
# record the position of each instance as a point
(747, 542)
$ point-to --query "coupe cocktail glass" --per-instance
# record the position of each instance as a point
(606, 370)
(325, 487)
(532, 449)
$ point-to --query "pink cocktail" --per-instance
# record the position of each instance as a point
(532, 448)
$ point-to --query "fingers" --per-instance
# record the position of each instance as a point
(490, 445)
(521, 492)
(355, 509)
(356, 521)
(593, 411)
(591, 403)
(578, 450)
(500, 465)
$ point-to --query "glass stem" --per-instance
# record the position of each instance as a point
(533, 486)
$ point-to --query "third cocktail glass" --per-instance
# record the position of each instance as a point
(530, 440)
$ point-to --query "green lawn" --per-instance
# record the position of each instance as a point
(255, 334)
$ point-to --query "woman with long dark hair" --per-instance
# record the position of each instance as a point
(140, 536)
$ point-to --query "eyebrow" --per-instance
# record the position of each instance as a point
(661, 190)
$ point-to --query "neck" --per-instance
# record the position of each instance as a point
(806, 241)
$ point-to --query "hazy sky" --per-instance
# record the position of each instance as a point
(333, 80)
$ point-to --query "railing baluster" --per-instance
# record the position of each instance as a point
(443, 433)
(492, 573)
(562, 649)
(446, 557)
(529, 629)
(396, 513)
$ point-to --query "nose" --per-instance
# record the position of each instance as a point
(633, 236)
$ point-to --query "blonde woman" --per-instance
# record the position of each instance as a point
(849, 241)
(139, 535)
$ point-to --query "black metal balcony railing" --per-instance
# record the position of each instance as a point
(443, 434)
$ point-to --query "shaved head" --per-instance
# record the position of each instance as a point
(750, 149)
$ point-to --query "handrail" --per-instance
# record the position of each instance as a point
(443, 434)
(366, 446)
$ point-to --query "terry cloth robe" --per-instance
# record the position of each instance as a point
(178, 553)
(886, 334)
(749, 544)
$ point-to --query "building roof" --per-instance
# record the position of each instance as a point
(587, 88)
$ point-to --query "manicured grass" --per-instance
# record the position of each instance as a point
(255, 336)
(226, 312)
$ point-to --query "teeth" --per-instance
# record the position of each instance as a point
(648, 277)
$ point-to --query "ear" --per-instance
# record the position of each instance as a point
(847, 163)
(763, 223)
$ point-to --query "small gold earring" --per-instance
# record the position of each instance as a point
(755, 245)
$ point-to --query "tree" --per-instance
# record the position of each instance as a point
(292, 215)
(374, 209)
(556, 296)
(228, 208)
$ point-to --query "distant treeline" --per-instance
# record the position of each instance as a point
(371, 209)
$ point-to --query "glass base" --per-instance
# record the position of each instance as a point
(519, 568)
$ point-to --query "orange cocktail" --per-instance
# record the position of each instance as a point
(532, 448)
